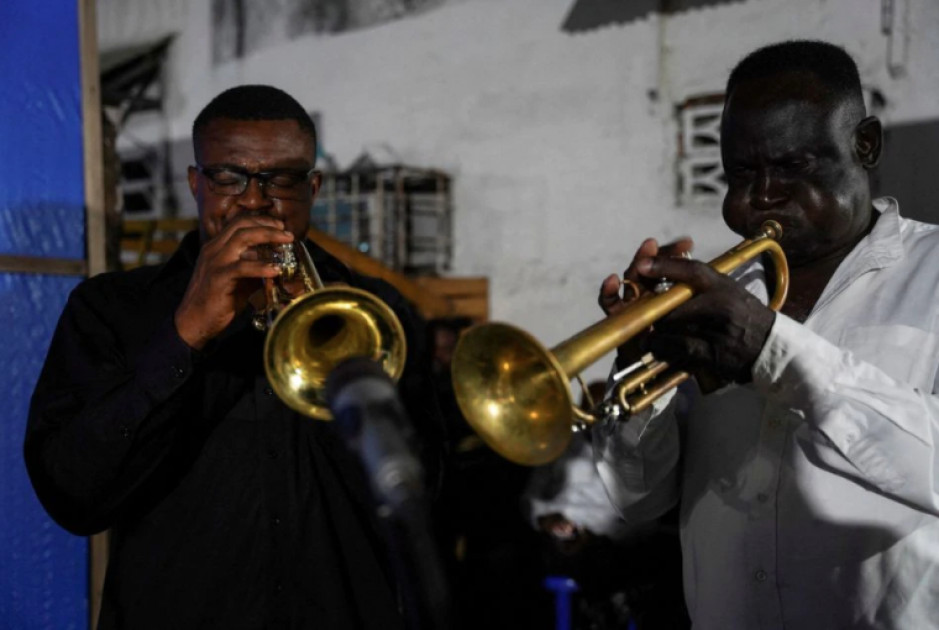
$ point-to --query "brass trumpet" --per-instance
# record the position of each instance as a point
(309, 335)
(515, 393)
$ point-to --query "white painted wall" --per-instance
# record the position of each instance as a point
(562, 161)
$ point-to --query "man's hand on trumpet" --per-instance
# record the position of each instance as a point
(719, 331)
(616, 293)
(722, 329)
(633, 284)
(226, 274)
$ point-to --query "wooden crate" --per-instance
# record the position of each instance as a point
(467, 296)
(149, 241)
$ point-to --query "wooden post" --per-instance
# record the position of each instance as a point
(93, 147)
(95, 230)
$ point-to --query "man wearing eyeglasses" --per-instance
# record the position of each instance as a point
(153, 417)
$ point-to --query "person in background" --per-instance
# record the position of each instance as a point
(625, 573)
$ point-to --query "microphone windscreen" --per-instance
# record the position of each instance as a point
(350, 371)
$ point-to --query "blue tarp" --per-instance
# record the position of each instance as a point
(43, 569)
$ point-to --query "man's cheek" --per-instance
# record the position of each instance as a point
(735, 216)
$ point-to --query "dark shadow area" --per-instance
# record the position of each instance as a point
(633, 583)
(909, 169)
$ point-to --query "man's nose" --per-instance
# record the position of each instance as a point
(767, 191)
(255, 196)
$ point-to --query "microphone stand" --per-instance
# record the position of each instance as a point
(419, 574)
(369, 415)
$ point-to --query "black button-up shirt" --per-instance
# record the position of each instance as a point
(226, 509)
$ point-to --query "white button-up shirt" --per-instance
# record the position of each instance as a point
(809, 498)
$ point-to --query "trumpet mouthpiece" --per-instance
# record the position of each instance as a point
(772, 229)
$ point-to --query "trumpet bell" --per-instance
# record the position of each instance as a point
(513, 392)
(319, 330)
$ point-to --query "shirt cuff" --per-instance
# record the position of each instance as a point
(786, 340)
(166, 363)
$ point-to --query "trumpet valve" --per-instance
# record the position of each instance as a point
(663, 285)
(285, 257)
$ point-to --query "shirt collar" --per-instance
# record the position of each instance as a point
(878, 250)
(884, 245)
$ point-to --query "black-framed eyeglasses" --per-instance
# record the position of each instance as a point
(280, 183)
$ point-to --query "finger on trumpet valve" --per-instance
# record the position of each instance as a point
(630, 290)
(664, 284)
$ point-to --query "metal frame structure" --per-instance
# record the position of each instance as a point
(399, 215)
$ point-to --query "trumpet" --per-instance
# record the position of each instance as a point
(515, 393)
(310, 333)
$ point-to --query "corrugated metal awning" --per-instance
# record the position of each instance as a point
(127, 72)
(587, 15)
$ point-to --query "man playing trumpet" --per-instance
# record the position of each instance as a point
(153, 416)
(807, 489)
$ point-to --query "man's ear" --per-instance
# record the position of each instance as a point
(869, 141)
(193, 176)
(315, 183)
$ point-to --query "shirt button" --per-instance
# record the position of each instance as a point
(276, 521)
(178, 372)
(268, 392)
(125, 432)
(278, 587)
(760, 576)
(272, 454)
(762, 497)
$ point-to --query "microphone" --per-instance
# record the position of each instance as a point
(369, 415)
(371, 418)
